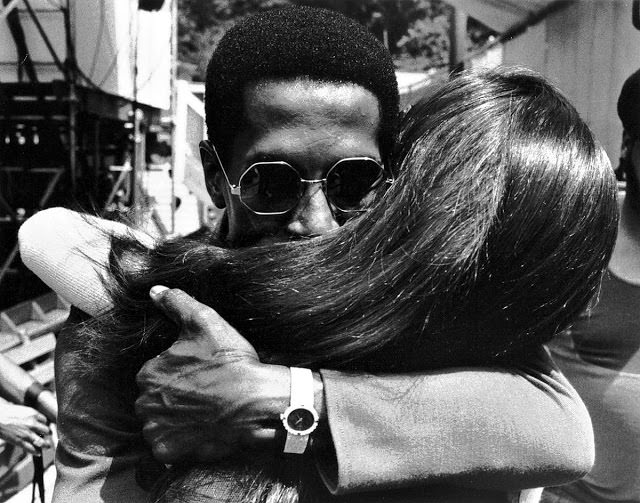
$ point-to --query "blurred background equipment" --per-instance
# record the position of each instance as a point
(81, 85)
(27, 342)
(26, 388)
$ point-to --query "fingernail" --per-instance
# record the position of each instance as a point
(157, 290)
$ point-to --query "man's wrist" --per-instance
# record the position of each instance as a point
(274, 398)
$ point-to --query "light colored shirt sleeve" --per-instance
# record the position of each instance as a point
(69, 251)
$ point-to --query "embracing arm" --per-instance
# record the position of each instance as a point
(101, 450)
(485, 428)
(69, 251)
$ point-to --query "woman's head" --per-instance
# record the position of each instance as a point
(510, 200)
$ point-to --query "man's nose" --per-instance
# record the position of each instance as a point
(313, 215)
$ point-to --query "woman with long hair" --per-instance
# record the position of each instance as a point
(491, 239)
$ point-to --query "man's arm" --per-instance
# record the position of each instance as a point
(481, 427)
(478, 427)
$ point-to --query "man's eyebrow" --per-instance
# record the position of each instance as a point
(265, 157)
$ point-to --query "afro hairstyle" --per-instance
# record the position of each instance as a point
(295, 42)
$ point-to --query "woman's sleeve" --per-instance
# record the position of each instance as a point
(69, 252)
(101, 455)
(501, 428)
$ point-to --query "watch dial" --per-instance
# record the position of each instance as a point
(300, 419)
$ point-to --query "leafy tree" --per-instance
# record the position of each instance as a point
(415, 31)
(201, 24)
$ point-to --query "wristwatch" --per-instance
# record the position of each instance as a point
(300, 419)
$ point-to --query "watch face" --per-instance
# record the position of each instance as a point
(300, 419)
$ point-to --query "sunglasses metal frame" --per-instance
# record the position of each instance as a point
(236, 189)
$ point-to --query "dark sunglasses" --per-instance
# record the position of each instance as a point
(275, 187)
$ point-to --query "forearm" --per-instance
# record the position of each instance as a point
(482, 427)
(494, 428)
(491, 428)
(69, 251)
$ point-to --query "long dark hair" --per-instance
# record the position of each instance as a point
(492, 239)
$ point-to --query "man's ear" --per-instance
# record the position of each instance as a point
(213, 175)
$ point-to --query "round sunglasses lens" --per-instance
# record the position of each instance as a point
(350, 181)
(270, 187)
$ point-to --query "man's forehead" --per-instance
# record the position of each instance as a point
(272, 103)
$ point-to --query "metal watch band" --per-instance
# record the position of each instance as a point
(295, 444)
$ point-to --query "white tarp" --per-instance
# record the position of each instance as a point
(123, 50)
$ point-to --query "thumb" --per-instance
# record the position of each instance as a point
(175, 303)
(198, 320)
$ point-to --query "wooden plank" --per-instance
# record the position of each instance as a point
(602, 106)
(44, 372)
(8, 340)
(561, 49)
(25, 353)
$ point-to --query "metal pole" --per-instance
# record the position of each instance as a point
(174, 73)
(45, 38)
(73, 99)
(97, 160)
(457, 40)
(138, 159)
(137, 116)
(8, 8)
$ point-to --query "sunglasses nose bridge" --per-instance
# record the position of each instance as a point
(323, 181)
(310, 182)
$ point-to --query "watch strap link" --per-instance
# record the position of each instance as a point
(295, 444)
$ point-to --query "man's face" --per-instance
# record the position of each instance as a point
(310, 125)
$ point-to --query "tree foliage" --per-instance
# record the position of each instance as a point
(201, 24)
(415, 31)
